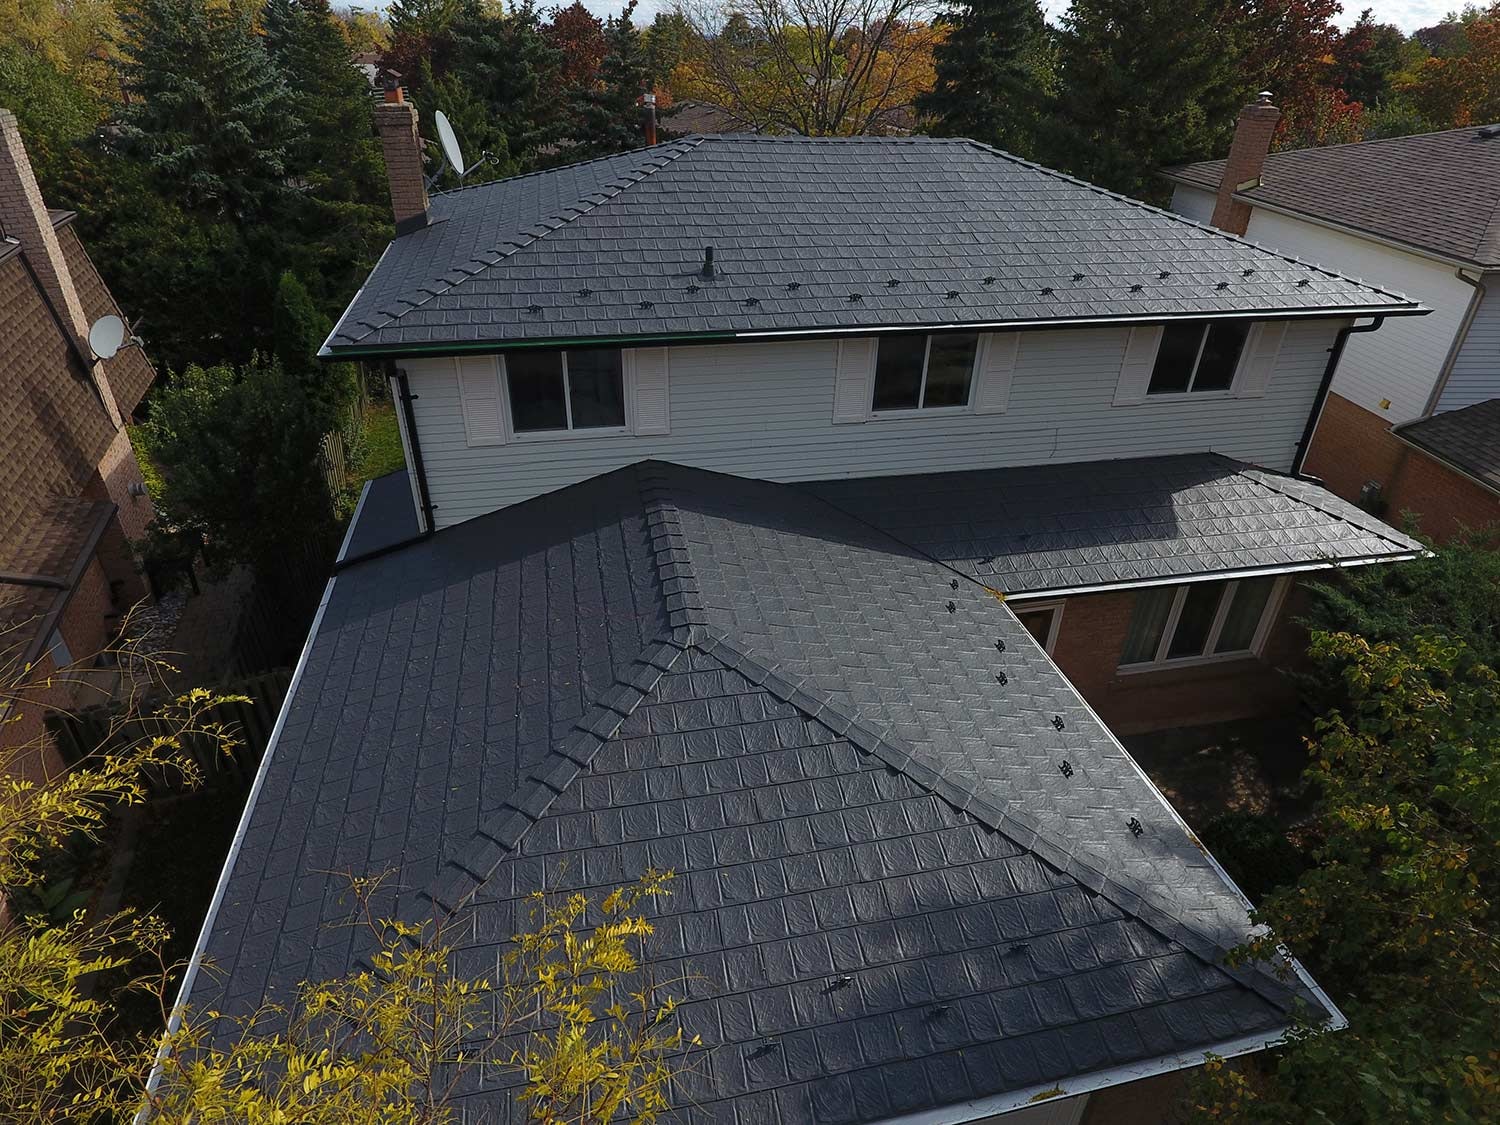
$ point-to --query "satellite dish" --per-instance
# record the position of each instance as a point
(449, 142)
(106, 337)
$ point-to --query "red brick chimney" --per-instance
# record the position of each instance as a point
(1247, 156)
(23, 217)
(396, 121)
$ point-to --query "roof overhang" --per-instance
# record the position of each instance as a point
(1216, 576)
(451, 347)
(1452, 466)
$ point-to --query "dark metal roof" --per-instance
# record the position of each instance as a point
(802, 717)
(1468, 439)
(1150, 519)
(1433, 191)
(809, 234)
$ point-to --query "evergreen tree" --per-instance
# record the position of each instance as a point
(608, 114)
(987, 82)
(207, 110)
(501, 95)
(298, 331)
(338, 219)
(1143, 84)
(277, 20)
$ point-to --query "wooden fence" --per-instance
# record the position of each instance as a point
(82, 733)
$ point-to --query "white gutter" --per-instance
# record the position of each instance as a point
(1411, 308)
(190, 976)
(1213, 576)
(1050, 1093)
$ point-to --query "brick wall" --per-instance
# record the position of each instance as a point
(1352, 446)
(130, 373)
(1092, 636)
(1443, 501)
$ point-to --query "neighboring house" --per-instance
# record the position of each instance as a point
(752, 479)
(1420, 214)
(72, 494)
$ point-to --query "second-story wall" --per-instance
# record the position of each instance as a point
(1400, 363)
(766, 410)
(1476, 369)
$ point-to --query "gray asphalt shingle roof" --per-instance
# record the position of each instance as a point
(805, 719)
(1468, 438)
(1057, 527)
(1432, 191)
(808, 234)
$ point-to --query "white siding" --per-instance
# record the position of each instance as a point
(1476, 370)
(1193, 202)
(1402, 361)
(766, 410)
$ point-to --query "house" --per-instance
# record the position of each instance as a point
(1415, 213)
(73, 497)
(752, 481)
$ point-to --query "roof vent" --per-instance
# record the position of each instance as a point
(708, 262)
(1488, 133)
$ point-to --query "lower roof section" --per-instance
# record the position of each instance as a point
(1468, 439)
(891, 895)
(1077, 526)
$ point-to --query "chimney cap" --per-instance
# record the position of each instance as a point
(1263, 98)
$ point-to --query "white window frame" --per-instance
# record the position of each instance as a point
(627, 388)
(1054, 607)
(1187, 393)
(920, 411)
(1268, 616)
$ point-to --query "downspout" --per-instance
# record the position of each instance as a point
(419, 471)
(1321, 398)
(1451, 359)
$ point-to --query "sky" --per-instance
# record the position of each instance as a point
(1408, 15)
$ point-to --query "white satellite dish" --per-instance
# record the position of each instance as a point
(449, 142)
(106, 337)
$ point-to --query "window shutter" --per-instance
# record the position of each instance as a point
(651, 406)
(852, 387)
(479, 397)
(997, 364)
(1262, 347)
(1140, 358)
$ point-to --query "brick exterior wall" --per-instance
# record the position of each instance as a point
(1247, 156)
(1352, 446)
(1091, 638)
(1444, 501)
(130, 373)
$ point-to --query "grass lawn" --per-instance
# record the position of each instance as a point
(382, 453)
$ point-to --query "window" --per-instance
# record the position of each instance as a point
(1041, 620)
(922, 372)
(572, 390)
(1197, 357)
(1200, 621)
(57, 648)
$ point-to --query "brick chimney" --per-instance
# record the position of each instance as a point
(23, 217)
(1247, 156)
(648, 115)
(396, 121)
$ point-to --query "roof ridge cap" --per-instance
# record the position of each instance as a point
(1184, 220)
(1015, 826)
(675, 575)
(548, 223)
(472, 865)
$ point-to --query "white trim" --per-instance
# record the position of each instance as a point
(353, 520)
(1213, 576)
(569, 432)
(190, 975)
(978, 1109)
(921, 410)
(1161, 661)
(393, 385)
(1334, 312)
(1056, 608)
